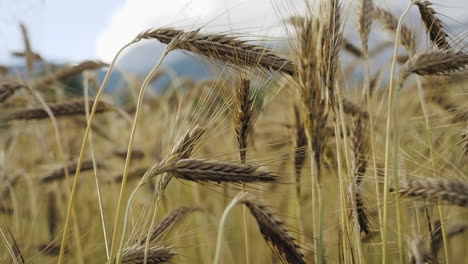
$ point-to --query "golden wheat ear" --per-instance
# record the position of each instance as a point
(59, 174)
(274, 231)
(8, 89)
(199, 170)
(435, 62)
(168, 222)
(418, 252)
(67, 72)
(155, 255)
(364, 22)
(300, 148)
(451, 229)
(452, 191)
(70, 108)
(237, 53)
(434, 26)
(390, 23)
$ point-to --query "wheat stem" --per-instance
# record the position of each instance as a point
(82, 150)
(392, 110)
(129, 152)
(93, 158)
(220, 237)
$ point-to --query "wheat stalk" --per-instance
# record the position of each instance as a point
(52, 213)
(464, 136)
(28, 51)
(390, 23)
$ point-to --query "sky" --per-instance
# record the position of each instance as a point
(75, 30)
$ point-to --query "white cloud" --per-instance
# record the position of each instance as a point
(245, 16)
(136, 16)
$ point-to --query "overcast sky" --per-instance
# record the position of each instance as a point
(73, 30)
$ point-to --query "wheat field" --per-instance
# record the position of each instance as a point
(283, 156)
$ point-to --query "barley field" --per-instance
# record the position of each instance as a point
(283, 156)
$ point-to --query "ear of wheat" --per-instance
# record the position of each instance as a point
(390, 23)
(168, 222)
(243, 118)
(59, 174)
(418, 252)
(67, 72)
(8, 89)
(69, 108)
(156, 255)
(434, 26)
(274, 231)
(223, 48)
(452, 191)
(364, 22)
(435, 62)
(451, 229)
(360, 149)
(300, 148)
(216, 171)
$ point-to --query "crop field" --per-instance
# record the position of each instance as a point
(286, 154)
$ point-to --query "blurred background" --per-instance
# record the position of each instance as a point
(67, 32)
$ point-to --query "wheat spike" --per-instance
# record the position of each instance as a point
(223, 48)
(59, 174)
(452, 191)
(390, 23)
(364, 22)
(8, 89)
(434, 26)
(156, 255)
(274, 231)
(67, 72)
(360, 148)
(435, 62)
(451, 229)
(300, 148)
(243, 117)
(70, 108)
(199, 170)
(168, 222)
(182, 150)
(418, 252)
